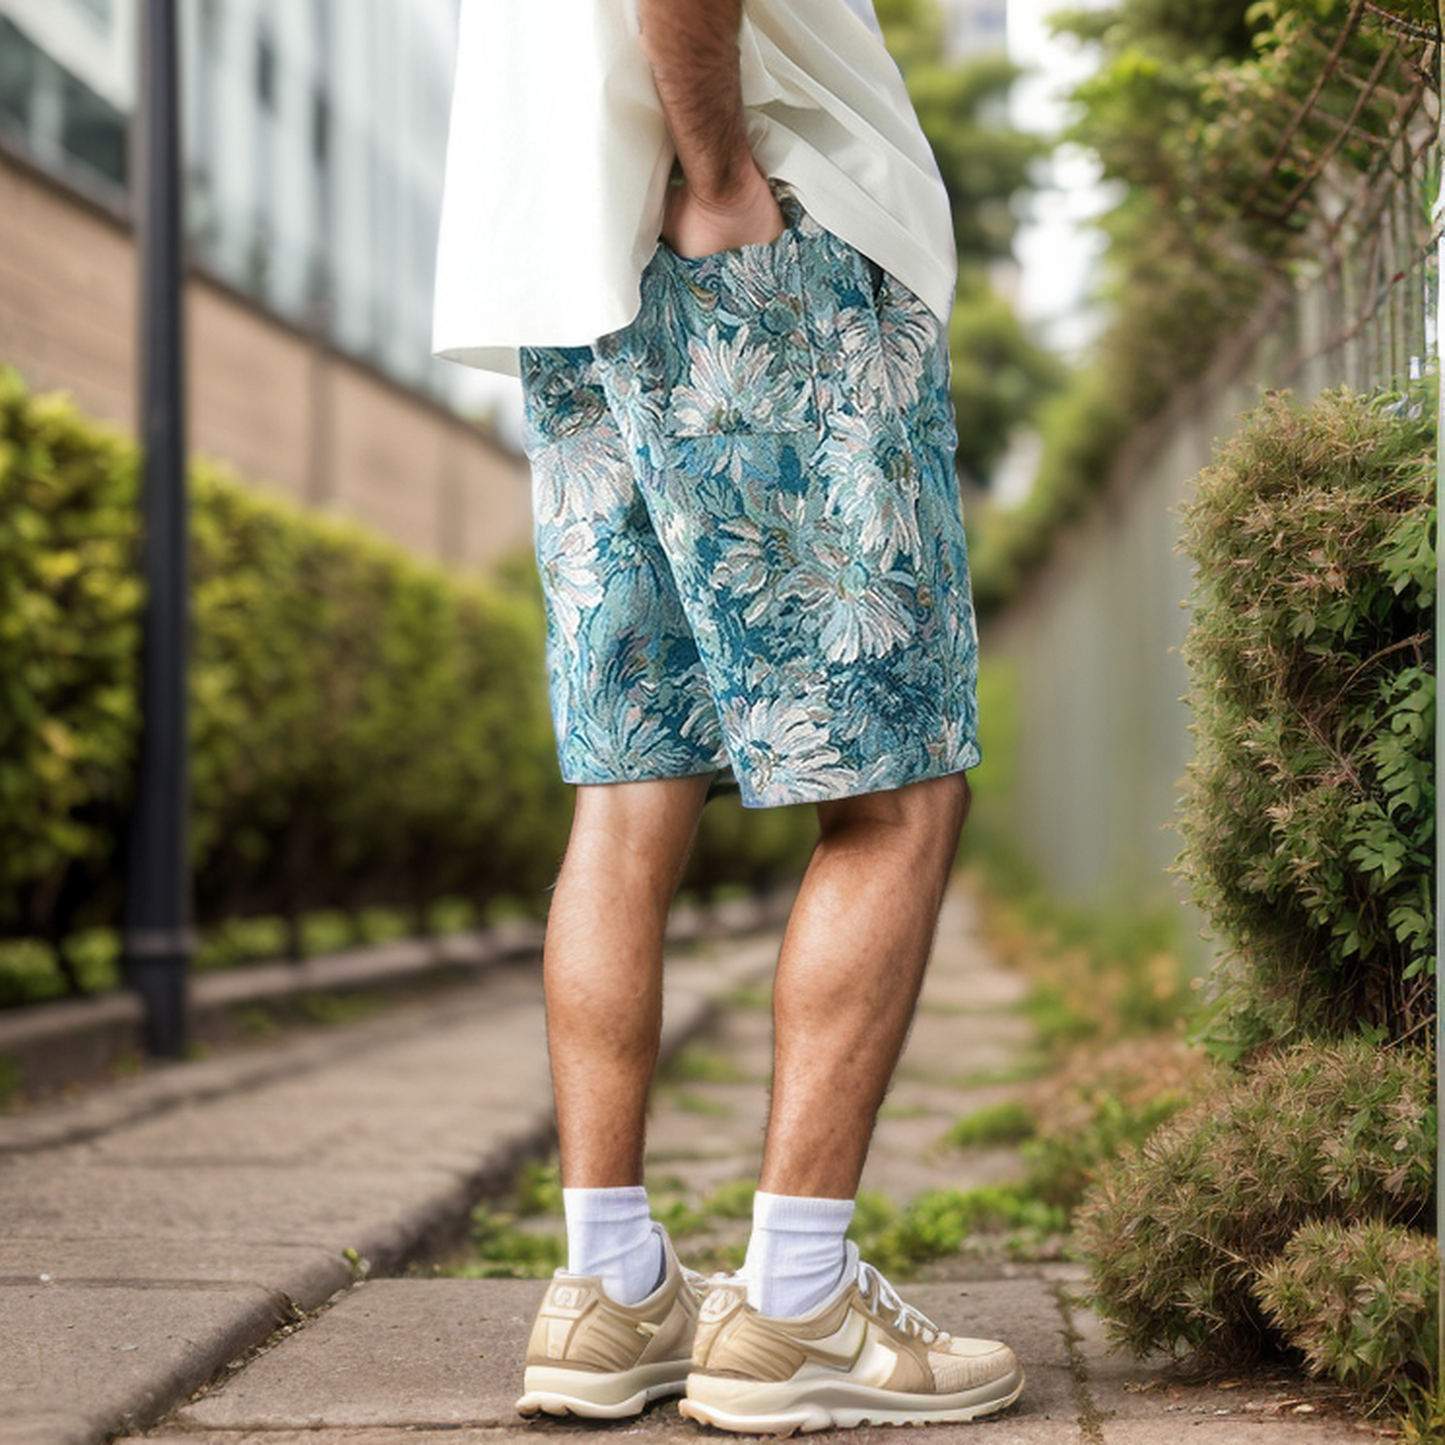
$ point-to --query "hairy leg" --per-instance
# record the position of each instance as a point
(848, 978)
(602, 966)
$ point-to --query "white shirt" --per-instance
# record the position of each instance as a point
(558, 160)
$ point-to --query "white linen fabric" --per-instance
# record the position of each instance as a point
(558, 160)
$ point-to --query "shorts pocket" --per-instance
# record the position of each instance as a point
(736, 353)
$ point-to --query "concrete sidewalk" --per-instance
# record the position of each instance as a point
(208, 1223)
(155, 1230)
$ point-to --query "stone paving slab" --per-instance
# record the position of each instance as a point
(308, 1275)
(80, 1359)
(180, 1222)
(428, 1353)
(402, 1361)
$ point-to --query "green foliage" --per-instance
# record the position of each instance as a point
(1000, 375)
(1214, 121)
(1010, 1122)
(1181, 1234)
(942, 1222)
(504, 1251)
(961, 106)
(1309, 817)
(370, 734)
(1096, 974)
(1359, 1300)
(1103, 1117)
(538, 1188)
(69, 632)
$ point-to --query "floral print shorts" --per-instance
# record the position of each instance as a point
(749, 532)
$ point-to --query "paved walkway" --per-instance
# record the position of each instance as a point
(156, 1234)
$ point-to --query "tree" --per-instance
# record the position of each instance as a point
(999, 374)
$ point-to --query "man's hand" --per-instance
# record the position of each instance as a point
(692, 47)
(695, 226)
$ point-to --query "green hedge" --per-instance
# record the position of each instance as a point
(1243, 1225)
(1309, 817)
(1289, 1207)
(368, 729)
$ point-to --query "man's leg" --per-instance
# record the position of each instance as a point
(842, 1349)
(603, 969)
(606, 1343)
(848, 978)
(852, 963)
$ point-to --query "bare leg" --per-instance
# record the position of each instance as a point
(602, 968)
(852, 963)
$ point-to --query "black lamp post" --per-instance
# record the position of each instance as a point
(157, 937)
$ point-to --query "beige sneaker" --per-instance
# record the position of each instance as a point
(591, 1356)
(863, 1357)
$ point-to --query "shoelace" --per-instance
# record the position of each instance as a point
(883, 1297)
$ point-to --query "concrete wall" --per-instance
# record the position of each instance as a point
(284, 409)
(1094, 641)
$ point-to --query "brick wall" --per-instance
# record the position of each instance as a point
(264, 396)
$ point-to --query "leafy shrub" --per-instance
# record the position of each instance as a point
(69, 632)
(1309, 819)
(1088, 1113)
(368, 730)
(1180, 1234)
(1359, 1300)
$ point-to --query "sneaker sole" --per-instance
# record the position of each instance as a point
(560, 1391)
(750, 1408)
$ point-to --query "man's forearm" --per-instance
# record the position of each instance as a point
(692, 47)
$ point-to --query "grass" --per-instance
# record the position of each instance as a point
(994, 1219)
(523, 1237)
(1010, 1122)
(689, 1101)
(695, 1063)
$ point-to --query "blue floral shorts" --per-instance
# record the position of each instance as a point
(749, 532)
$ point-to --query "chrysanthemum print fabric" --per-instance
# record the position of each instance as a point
(749, 533)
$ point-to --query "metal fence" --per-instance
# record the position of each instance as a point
(1353, 166)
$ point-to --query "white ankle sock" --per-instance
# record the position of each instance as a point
(610, 1233)
(795, 1253)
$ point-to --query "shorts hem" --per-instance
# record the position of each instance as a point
(574, 778)
(965, 759)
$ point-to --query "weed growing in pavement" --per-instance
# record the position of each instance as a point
(538, 1188)
(1010, 1122)
(502, 1251)
(1002, 1219)
(527, 1241)
(697, 1064)
(691, 1102)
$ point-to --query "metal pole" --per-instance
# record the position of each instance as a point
(157, 936)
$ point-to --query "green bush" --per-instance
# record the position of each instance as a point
(1309, 817)
(369, 732)
(1181, 1234)
(69, 632)
(1359, 1300)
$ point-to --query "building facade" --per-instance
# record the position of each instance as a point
(976, 27)
(314, 142)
